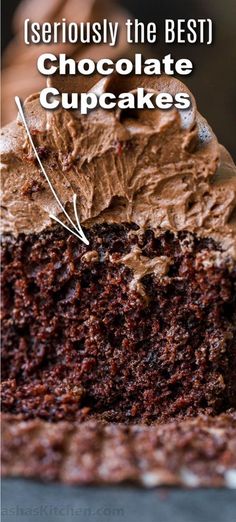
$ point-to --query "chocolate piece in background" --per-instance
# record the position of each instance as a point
(194, 453)
(213, 80)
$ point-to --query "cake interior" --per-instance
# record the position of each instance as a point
(80, 339)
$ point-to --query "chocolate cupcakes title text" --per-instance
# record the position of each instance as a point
(110, 95)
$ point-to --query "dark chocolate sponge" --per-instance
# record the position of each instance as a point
(78, 341)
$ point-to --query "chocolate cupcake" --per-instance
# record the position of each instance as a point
(138, 326)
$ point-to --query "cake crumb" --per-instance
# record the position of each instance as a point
(90, 257)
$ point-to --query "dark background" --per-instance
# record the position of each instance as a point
(213, 81)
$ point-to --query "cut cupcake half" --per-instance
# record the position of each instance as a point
(139, 325)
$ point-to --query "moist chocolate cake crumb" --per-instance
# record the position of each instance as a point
(80, 340)
(195, 452)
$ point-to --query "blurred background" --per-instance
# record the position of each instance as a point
(213, 81)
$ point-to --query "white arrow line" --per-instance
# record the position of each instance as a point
(78, 229)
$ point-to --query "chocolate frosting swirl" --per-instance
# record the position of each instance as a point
(158, 169)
